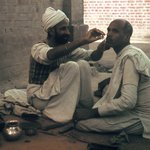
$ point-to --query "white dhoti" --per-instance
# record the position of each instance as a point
(72, 84)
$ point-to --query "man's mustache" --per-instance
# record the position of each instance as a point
(66, 36)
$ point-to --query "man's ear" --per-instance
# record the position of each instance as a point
(127, 37)
(51, 32)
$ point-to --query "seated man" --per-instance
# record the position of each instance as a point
(58, 78)
(126, 102)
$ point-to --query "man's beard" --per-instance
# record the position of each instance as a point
(109, 41)
(62, 39)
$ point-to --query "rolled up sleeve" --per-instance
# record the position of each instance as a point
(39, 53)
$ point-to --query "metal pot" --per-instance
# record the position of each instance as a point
(12, 130)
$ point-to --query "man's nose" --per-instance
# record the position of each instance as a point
(109, 34)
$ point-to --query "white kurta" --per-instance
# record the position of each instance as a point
(65, 86)
(133, 68)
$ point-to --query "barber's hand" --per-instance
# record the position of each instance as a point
(85, 113)
(103, 46)
(94, 35)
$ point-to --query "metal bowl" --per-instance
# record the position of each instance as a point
(12, 130)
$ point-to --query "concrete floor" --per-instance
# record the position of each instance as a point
(43, 142)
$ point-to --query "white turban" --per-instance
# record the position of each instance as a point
(51, 17)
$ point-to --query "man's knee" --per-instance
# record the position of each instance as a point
(83, 63)
(72, 66)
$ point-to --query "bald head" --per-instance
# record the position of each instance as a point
(126, 26)
(119, 33)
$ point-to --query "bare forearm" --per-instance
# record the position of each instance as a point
(96, 55)
(90, 36)
(65, 49)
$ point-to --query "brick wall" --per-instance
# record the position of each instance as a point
(20, 27)
(99, 13)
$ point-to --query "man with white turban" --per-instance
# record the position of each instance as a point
(51, 17)
(59, 77)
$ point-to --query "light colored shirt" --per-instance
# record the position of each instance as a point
(132, 67)
(39, 53)
(128, 98)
